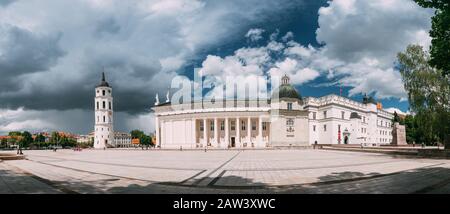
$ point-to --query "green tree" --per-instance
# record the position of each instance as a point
(3, 142)
(39, 138)
(440, 33)
(411, 127)
(26, 140)
(15, 134)
(55, 139)
(143, 138)
(428, 94)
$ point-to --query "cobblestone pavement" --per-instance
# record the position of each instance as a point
(233, 171)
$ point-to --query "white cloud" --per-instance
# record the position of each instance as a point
(363, 38)
(254, 34)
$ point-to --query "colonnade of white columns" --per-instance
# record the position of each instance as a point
(239, 141)
(215, 132)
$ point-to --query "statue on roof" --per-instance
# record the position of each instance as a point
(157, 99)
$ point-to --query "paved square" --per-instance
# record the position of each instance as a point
(233, 171)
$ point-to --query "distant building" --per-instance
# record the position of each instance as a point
(85, 139)
(122, 140)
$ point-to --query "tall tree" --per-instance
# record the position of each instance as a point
(143, 138)
(55, 138)
(440, 33)
(26, 139)
(428, 94)
(39, 138)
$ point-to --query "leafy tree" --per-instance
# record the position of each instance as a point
(26, 139)
(3, 142)
(15, 134)
(55, 138)
(39, 138)
(143, 138)
(411, 127)
(428, 95)
(440, 34)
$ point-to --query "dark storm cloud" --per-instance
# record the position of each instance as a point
(108, 25)
(23, 52)
(4, 3)
(129, 41)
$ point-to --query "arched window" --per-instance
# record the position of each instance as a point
(109, 105)
(104, 119)
(97, 106)
(104, 105)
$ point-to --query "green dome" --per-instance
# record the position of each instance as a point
(287, 91)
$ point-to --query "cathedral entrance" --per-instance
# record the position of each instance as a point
(233, 142)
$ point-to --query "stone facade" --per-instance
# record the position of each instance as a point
(399, 135)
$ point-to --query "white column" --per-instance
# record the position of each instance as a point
(157, 134)
(205, 136)
(194, 133)
(238, 132)
(163, 133)
(260, 134)
(216, 132)
(227, 133)
(249, 132)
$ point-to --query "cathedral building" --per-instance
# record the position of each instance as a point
(284, 120)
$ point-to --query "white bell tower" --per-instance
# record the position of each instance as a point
(104, 131)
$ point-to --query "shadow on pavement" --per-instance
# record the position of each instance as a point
(418, 181)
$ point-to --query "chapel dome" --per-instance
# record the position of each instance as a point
(286, 90)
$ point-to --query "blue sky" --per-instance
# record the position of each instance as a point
(52, 52)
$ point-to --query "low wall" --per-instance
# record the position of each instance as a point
(6, 157)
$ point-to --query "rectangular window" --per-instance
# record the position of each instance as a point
(324, 128)
(201, 126)
(222, 125)
(364, 119)
(264, 126)
(343, 114)
(254, 125)
(233, 126)
(103, 92)
(109, 105)
(97, 106)
(243, 125)
(324, 114)
(289, 106)
(314, 115)
(104, 105)
(104, 119)
(314, 128)
(211, 125)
